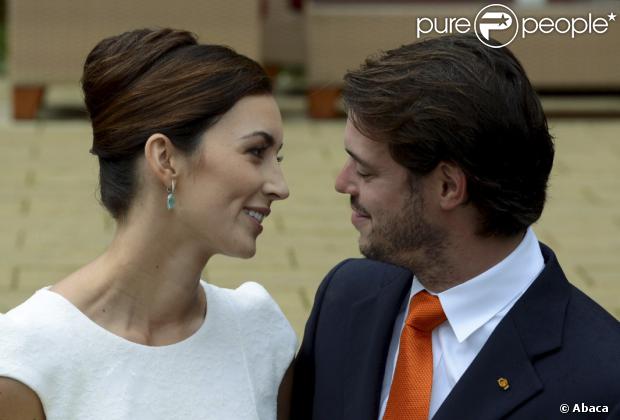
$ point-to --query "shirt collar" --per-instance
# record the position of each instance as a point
(470, 305)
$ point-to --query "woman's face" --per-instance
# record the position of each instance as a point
(224, 198)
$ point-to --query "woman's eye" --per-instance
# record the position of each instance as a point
(362, 174)
(257, 151)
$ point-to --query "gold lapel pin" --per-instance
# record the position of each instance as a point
(503, 383)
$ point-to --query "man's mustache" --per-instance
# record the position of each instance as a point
(355, 205)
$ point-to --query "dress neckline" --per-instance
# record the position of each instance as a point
(90, 325)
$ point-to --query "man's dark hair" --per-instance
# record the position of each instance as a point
(456, 100)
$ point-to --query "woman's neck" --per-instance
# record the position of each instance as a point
(145, 287)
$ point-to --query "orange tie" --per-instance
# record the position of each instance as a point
(410, 393)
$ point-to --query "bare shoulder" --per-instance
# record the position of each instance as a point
(18, 402)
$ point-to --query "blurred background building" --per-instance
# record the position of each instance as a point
(51, 223)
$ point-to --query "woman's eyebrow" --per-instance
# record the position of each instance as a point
(265, 135)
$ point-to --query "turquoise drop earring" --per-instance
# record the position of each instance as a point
(171, 201)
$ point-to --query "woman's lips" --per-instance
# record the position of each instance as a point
(256, 223)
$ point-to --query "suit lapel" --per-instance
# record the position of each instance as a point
(533, 327)
(477, 395)
(371, 323)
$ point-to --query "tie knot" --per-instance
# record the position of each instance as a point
(425, 312)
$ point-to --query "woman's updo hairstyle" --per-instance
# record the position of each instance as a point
(157, 81)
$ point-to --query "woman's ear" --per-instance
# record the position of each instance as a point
(161, 158)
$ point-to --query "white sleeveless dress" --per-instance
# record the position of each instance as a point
(230, 368)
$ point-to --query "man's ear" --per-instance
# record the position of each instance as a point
(453, 183)
(161, 158)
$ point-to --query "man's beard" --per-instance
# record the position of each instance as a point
(404, 238)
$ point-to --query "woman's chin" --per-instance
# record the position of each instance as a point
(243, 253)
(248, 255)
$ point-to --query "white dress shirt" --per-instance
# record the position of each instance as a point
(473, 309)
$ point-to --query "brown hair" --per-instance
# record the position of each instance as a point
(453, 99)
(150, 81)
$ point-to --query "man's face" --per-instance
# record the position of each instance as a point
(388, 203)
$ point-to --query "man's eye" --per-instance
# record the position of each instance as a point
(361, 174)
(279, 158)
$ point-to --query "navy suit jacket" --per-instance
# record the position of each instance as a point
(555, 346)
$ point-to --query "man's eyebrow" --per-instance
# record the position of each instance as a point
(265, 135)
(358, 159)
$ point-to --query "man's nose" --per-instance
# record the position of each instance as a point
(344, 183)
